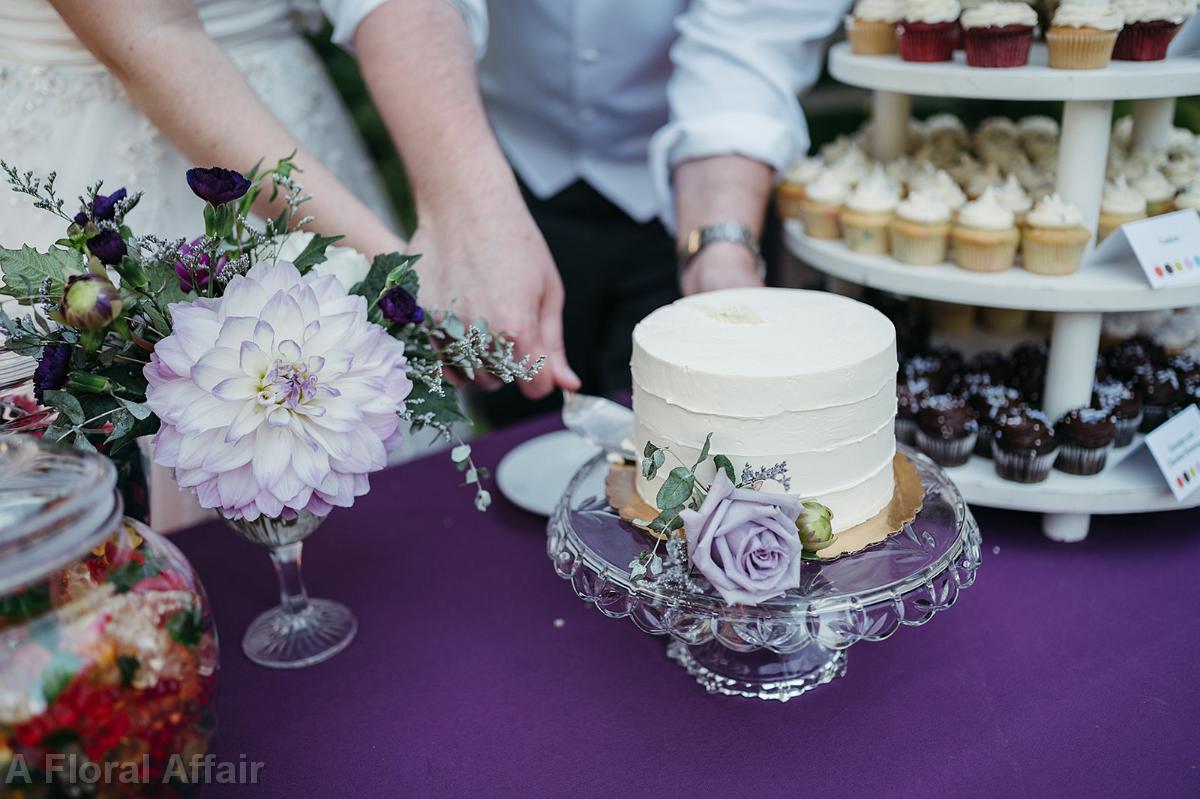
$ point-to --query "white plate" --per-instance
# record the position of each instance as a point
(534, 475)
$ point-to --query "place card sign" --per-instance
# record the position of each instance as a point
(1166, 246)
(1175, 445)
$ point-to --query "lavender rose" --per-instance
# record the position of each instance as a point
(217, 186)
(745, 542)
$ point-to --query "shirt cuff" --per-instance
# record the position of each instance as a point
(347, 15)
(758, 136)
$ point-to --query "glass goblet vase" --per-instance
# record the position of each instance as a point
(301, 631)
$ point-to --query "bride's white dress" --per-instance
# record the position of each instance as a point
(61, 111)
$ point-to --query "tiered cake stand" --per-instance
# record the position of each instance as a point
(788, 645)
(1130, 483)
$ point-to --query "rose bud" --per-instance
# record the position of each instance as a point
(217, 186)
(52, 369)
(104, 207)
(400, 307)
(108, 246)
(90, 302)
(816, 532)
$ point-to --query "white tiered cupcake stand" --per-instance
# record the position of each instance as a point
(1130, 483)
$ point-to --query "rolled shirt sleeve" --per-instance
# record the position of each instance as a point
(738, 67)
(346, 15)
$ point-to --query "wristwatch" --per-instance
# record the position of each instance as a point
(734, 232)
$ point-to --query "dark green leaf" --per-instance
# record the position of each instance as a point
(724, 464)
(372, 285)
(650, 449)
(55, 678)
(677, 489)
(314, 252)
(186, 626)
(128, 666)
(704, 450)
(25, 270)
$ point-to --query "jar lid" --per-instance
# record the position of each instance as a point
(56, 503)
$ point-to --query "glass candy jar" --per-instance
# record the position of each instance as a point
(108, 653)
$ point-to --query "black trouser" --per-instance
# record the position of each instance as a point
(614, 272)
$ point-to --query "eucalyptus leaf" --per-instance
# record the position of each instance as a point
(704, 451)
(139, 410)
(724, 464)
(123, 422)
(460, 453)
(65, 404)
(677, 489)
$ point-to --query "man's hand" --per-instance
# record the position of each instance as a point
(495, 265)
(721, 265)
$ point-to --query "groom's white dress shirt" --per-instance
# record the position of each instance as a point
(617, 92)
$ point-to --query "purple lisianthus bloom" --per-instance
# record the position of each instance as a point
(745, 542)
(217, 186)
(195, 277)
(400, 307)
(89, 302)
(52, 369)
(104, 207)
(108, 246)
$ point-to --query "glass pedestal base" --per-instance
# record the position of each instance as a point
(280, 639)
(761, 674)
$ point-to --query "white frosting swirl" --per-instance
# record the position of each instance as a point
(1013, 197)
(1054, 212)
(1078, 14)
(924, 207)
(828, 188)
(1037, 126)
(1180, 171)
(986, 213)
(988, 177)
(1122, 199)
(805, 169)
(879, 10)
(1154, 186)
(876, 193)
(931, 11)
(1189, 198)
(998, 14)
(1136, 11)
(944, 187)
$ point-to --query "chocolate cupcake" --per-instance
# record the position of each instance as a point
(1189, 395)
(1085, 437)
(1125, 406)
(994, 364)
(1029, 371)
(1024, 445)
(1160, 391)
(1126, 358)
(965, 383)
(909, 394)
(1186, 367)
(946, 429)
(988, 402)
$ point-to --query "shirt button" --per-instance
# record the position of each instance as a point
(587, 115)
(589, 55)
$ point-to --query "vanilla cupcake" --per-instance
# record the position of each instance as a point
(946, 130)
(1013, 197)
(945, 189)
(995, 129)
(1188, 198)
(920, 229)
(985, 236)
(1082, 34)
(1180, 171)
(1158, 191)
(1054, 237)
(871, 27)
(850, 166)
(1037, 134)
(791, 189)
(867, 212)
(823, 200)
(987, 178)
(1121, 203)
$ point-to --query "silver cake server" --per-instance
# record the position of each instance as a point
(600, 421)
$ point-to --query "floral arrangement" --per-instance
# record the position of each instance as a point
(270, 384)
(748, 544)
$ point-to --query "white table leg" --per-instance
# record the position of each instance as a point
(1084, 154)
(1152, 122)
(889, 124)
(1068, 528)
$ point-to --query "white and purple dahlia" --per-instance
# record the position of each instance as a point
(278, 397)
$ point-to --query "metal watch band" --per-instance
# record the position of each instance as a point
(733, 232)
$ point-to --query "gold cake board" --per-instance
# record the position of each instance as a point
(907, 498)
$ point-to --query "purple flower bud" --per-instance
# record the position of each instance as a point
(89, 302)
(52, 370)
(400, 307)
(105, 207)
(217, 186)
(108, 246)
(195, 277)
(81, 219)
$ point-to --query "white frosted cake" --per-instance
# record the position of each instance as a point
(805, 378)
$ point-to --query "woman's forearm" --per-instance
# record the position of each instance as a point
(187, 86)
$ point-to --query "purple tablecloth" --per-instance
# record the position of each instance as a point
(1065, 670)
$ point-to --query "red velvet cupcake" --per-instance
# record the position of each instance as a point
(928, 30)
(1145, 41)
(998, 34)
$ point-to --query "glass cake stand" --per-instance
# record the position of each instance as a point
(788, 645)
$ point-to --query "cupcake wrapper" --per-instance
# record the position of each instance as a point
(1051, 258)
(790, 205)
(996, 257)
(1127, 429)
(996, 47)
(1145, 41)
(1160, 207)
(926, 41)
(1074, 459)
(869, 239)
(918, 250)
(1023, 465)
(1072, 48)
(871, 37)
(1004, 320)
(947, 451)
(820, 222)
(983, 443)
(1153, 416)
(906, 431)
